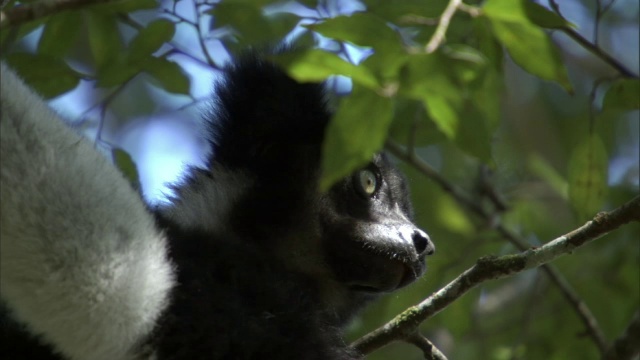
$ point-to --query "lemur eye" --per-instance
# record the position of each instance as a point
(366, 182)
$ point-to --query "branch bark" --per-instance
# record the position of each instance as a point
(488, 268)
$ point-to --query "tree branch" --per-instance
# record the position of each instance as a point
(488, 268)
(579, 306)
(25, 13)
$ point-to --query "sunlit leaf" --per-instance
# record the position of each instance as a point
(587, 176)
(529, 46)
(623, 95)
(317, 65)
(427, 78)
(423, 75)
(465, 53)
(354, 134)
(443, 114)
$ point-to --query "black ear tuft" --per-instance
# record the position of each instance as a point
(260, 114)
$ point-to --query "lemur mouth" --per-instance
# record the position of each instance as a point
(395, 275)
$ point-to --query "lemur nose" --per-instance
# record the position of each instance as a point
(422, 243)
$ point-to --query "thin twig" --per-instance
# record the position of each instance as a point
(443, 24)
(596, 24)
(430, 351)
(594, 49)
(613, 62)
(201, 41)
(489, 268)
(22, 14)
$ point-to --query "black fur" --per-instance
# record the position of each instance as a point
(289, 266)
(242, 293)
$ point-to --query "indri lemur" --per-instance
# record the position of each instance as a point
(249, 261)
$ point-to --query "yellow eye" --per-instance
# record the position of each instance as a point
(368, 182)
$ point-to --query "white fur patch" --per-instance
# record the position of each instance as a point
(81, 261)
(206, 203)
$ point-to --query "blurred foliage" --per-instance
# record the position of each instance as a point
(551, 122)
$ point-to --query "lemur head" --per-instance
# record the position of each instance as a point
(369, 238)
(356, 240)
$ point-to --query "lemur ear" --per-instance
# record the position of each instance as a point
(260, 113)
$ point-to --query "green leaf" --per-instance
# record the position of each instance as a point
(443, 113)
(355, 133)
(395, 11)
(316, 65)
(365, 29)
(150, 39)
(127, 167)
(544, 17)
(623, 95)
(170, 75)
(427, 78)
(9, 37)
(486, 91)
(362, 29)
(311, 4)
(410, 123)
(124, 6)
(282, 24)
(48, 75)
(104, 37)
(454, 86)
(59, 34)
(487, 43)
(117, 71)
(541, 167)
(251, 24)
(587, 176)
(465, 53)
(474, 133)
(528, 45)
(424, 74)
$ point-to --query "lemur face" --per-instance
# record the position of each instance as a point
(369, 239)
